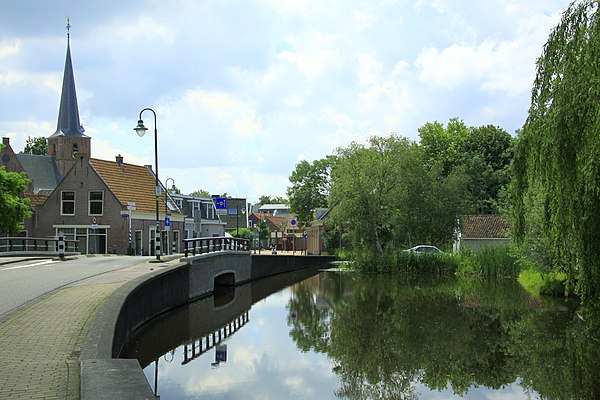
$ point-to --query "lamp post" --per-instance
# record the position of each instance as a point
(140, 129)
(167, 212)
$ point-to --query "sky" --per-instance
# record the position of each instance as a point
(244, 90)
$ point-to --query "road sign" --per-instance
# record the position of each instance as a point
(131, 205)
(293, 223)
(304, 234)
(221, 202)
(167, 221)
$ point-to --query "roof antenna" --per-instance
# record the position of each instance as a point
(68, 28)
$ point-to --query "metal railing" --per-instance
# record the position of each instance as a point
(24, 245)
(213, 244)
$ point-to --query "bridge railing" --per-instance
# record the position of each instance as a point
(212, 244)
(24, 245)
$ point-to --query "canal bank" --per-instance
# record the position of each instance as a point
(103, 376)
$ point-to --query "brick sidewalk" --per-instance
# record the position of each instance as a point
(40, 343)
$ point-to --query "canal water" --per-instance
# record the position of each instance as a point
(340, 335)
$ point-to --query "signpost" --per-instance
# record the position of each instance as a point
(130, 208)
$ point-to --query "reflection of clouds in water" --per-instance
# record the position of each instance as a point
(263, 362)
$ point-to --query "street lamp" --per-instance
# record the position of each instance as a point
(140, 129)
(167, 211)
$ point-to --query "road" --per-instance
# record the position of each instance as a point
(26, 280)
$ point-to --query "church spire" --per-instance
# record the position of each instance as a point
(68, 113)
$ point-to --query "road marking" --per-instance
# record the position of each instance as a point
(43, 262)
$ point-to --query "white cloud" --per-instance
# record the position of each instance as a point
(7, 50)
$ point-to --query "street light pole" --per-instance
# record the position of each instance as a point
(141, 130)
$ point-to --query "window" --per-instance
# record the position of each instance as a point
(75, 151)
(210, 210)
(67, 203)
(96, 203)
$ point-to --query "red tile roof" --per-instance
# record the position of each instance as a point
(128, 182)
(484, 226)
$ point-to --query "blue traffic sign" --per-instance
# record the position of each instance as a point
(167, 221)
(221, 202)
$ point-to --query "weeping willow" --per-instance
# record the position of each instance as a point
(556, 169)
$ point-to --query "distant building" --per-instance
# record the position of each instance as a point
(235, 214)
(201, 218)
(481, 230)
(275, 209)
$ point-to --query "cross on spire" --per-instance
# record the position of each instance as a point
(68, 28)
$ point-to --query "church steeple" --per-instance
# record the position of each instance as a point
(68, 143)
(68, 112)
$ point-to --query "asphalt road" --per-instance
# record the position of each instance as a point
(26, 280)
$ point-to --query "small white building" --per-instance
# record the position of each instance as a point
(482, 230)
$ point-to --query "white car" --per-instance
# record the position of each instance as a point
(423, 249)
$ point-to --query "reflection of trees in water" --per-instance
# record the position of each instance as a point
(388, 334)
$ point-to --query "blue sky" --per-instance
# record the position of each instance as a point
(244, 90)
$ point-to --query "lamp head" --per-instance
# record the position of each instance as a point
(140, 129)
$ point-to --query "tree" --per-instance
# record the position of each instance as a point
(310, 187)
(386, 196)
(14, 208)
(482, 153)
(38, 145)
(200, 193)
(555, 188)
(265, 199)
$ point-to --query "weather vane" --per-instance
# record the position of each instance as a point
(68, 27)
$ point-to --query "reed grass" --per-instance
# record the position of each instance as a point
(488, 262)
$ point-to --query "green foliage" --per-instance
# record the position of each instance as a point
(386, 197)
(263, 230)
(38, 145)
(556, 173)
(405, 263)
(200, 193)
(14, 208)
(310, 188)
(265, 199)
(482, 155)
(488, 262)
(242, 233)
(546, 284)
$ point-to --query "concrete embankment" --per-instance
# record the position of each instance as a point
(103, 375)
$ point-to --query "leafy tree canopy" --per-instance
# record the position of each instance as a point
(310, 187)
(38, 145)
(387, 196)
(556, 175)
(13, 207)
(265, 199)
(483, 154)
(200, 193)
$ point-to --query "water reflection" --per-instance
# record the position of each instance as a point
(339, 335)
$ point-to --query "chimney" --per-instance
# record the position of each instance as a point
(119, 159)
(6, 141)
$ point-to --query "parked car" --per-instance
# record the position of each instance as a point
(424, 249)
